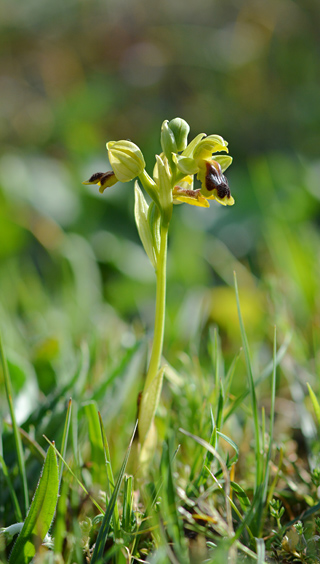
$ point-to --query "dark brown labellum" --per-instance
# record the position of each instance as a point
(215, 180)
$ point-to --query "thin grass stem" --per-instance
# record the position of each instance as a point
(258, 478)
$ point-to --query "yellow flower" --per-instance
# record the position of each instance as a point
(214, 186)
(126, 161)
(199, 159)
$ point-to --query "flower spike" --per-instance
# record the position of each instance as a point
(175, 168)
(205, 158)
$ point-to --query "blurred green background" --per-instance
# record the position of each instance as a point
(76, 74)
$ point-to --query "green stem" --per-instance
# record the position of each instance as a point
(159, 322)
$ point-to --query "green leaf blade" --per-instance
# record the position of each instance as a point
(41, 513)
(105, 525)
(242, 497)
(97, 452)
(16, 434)
(315, 403)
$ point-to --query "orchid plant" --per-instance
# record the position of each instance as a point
(172, 183)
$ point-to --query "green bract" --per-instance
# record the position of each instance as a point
(165, 189)
(142, 221)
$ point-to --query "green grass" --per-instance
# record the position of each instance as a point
(236, 470)
(206, 497)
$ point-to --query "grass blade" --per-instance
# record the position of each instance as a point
(230, 374)
(254, 404)
(65, 439)
(110, 481)
(60, 532)
(242, 497)
(41, 513)
(230, 442)
(120, 368)
(219, 416)
(74, 476)
(315, 403)
(105, 526)
(17, 438)
(11, 489)
(107, 457)
(127, 504)
(273, 397)
(266, 372)
(97, 452)
(169, 509)
(224, 469)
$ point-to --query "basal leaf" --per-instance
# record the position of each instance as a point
(40, 514)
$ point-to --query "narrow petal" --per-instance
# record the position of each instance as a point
(188, 152)
(208, 146)
(187, 182)
(192, 197)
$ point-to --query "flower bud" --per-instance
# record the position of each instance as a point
(168, 142)
(180, 130)
(126, 159)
